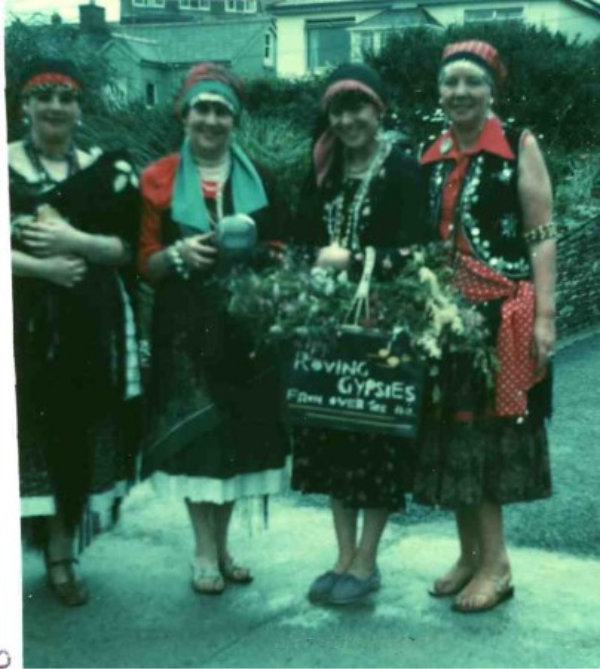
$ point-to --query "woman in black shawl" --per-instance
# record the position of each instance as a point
(73, 218)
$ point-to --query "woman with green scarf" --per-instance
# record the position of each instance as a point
(215, 430)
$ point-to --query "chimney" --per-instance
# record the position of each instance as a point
(92, 18)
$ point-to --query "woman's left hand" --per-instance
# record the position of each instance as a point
(55, 236)
(333, 256)
(544, 338)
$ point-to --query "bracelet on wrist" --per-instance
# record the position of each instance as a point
(176, 260)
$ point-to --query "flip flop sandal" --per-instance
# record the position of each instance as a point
(233, 573)
(207, 580)
(500, 596)
(449, 593)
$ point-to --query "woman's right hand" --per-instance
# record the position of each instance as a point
(197, 253)
(65, 271)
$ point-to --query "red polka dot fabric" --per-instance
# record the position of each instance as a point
(517, 371)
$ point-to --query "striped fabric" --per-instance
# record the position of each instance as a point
(133, 382)
(479, 52)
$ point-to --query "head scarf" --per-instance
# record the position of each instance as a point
(480, 53)
(349, 77)
(48, 72)
(213, 82)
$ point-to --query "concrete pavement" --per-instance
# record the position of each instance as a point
(143, 612)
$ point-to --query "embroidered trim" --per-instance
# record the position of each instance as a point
(51, 78)
(346, 221)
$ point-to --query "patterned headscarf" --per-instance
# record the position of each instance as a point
(480, 53)
(212, 83)
(50, 72)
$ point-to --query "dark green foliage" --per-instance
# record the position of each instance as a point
(295, 101)
(553, 86)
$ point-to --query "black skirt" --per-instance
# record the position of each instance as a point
(360, 469)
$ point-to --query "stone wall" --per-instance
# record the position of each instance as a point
(578, 285)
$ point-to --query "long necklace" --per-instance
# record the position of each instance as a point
(34, 155)
(213, 177)
(343, 223)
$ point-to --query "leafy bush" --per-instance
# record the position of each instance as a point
(553, 86)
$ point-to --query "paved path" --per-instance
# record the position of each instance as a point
(144, 614)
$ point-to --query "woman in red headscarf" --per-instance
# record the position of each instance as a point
(74, 220)
(491, 201)
(216, 432)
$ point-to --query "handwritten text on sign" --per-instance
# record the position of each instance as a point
(358, 384)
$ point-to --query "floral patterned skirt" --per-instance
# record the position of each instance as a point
(362, 470)
(498, 460)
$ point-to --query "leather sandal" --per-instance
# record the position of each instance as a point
(503, 591)
(233, 573)
(434, 592)
(71, 592)
(206, 579)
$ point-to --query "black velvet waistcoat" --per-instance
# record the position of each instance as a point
(488, 209)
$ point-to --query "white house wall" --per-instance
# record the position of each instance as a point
(291, 39)
(552, 14)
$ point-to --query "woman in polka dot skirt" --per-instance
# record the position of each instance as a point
(490, 198)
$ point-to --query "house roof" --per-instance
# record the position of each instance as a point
(301, 6)
(391, 19)
(590, 7)
(183, 43)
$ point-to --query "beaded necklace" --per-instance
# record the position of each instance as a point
(344, 222)
(45, 178)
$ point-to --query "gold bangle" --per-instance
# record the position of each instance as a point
(541, 233)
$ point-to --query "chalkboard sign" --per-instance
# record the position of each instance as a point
(358, 383)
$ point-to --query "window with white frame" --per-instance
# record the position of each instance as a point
(244, 6)
(327, 42)
(494, 14)
(148, 3)
(269, 55)
(195, 4)
(365, 42)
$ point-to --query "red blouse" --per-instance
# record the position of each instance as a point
(157, 186)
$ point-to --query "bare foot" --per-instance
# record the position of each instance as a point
(233, 572)
(487, 588)
(206, 577)
(454, 581)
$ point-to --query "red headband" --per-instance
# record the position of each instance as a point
(351, 85)
(51, 78)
